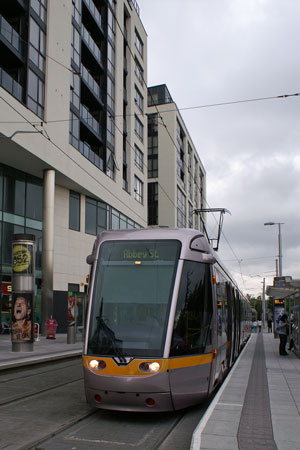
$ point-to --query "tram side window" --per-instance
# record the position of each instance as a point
(194, 310)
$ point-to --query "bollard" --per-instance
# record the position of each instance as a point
(71, 335)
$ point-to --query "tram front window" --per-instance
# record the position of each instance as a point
(194, 310)
(131, 300)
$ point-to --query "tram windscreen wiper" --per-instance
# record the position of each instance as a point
(104, 340)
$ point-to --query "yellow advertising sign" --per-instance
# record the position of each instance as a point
(21, 257)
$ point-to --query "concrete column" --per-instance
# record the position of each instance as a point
(48, 247)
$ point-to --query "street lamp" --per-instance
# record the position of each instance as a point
(279, 244)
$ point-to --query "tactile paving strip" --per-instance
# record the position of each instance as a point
(255, 429)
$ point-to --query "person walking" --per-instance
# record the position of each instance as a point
(283, 334)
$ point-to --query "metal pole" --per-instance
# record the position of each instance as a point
(279, 250)
(264, 303)
(48, 247)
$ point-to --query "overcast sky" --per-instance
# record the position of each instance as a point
(215, 51)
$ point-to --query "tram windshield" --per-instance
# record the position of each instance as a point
(131, 298)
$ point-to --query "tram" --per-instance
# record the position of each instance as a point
(165, 320)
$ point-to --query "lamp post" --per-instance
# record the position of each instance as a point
(279, 245)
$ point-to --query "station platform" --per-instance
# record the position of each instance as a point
(258, 405)
(43, 350)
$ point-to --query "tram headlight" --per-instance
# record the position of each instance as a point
(149, 367)
(94, 364)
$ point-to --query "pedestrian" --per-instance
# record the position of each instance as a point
(283, 334)
(254, 326)
(270, 322)
(291, 342)
(259, 325)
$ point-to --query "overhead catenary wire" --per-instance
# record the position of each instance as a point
(73, 160)
(163, 123)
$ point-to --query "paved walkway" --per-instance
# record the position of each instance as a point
(43, 350)
(261, 386)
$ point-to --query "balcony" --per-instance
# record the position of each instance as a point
(94, 13)
(90, 121)
(87, 151)
(91, 83)
(92, 46)
(11, 85)
(11, 36)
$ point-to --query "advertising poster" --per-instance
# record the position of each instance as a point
(278, 312)
(71, 308)
(21, 328)
(22, 258)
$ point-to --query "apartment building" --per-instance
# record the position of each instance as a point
(176, 176)
(73, 134)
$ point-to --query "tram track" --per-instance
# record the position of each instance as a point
(47, 403)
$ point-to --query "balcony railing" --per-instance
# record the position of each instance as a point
(92, 83)
(87, 117)
(89, 153)
(7, 31)
(95, 50)
(11, 85)
(94, 12)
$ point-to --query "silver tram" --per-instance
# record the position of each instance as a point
(165, 321)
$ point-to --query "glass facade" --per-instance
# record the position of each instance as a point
(152, 145)
(100, 216)
(21, 210)
(23, 76)
(92, 87)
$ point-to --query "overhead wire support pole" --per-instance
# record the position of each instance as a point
(222, 211)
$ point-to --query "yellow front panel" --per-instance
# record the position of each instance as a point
(132, 369)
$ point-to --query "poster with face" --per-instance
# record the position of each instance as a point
(21, 329)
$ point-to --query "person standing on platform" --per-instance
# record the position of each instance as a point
(254, 326)
(283, 334)
(270, 322)
(259, 325)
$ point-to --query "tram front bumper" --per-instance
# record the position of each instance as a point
(130, 401)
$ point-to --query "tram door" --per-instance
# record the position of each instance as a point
(221, 297)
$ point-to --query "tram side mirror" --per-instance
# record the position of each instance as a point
(90, 259)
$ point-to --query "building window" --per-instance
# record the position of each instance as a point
(138, 190)
(34, 201)
(139, 44)
(152, 203)
(75, 90)
(74, 130)
(111, 59)
(74, 211)
(180, 154)
(35, 99)
(75, 47)
(39, 6)
(138, 158)
(76, 8)
(152, 146)
(95, 216)
(181, 209)
(139, 129)
(37, 47)
(190, 218)
(139, 100)
(139, 72)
